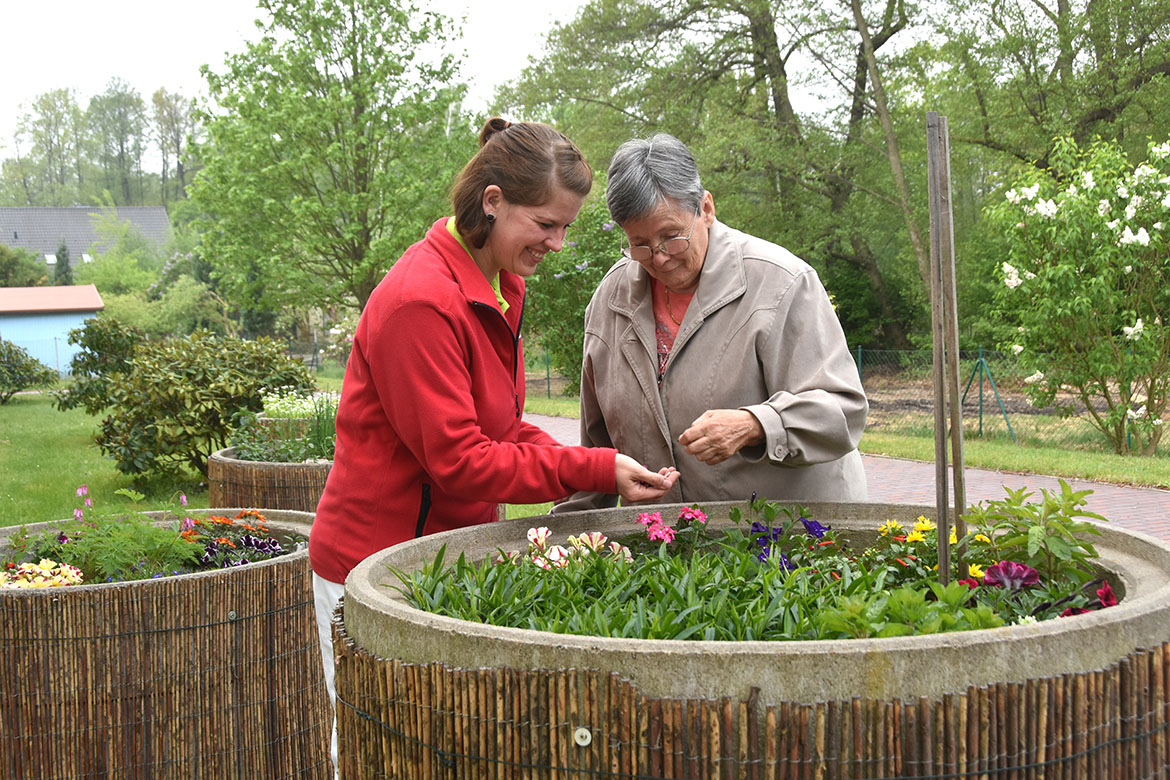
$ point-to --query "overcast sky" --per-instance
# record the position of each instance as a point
(53, 44)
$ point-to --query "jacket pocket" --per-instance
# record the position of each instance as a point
(424, 509)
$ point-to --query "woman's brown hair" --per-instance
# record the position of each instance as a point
(525, 160)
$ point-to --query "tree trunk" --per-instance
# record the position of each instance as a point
(895, 156)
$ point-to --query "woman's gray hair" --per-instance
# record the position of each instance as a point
(643, 173)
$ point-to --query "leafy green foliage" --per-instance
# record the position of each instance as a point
(19, 268)
(331, 151)
(181, 398)
(20, 371)
(107, 349)
(559, 292)
(1088, 281)
(63, 272)
(1047, 535)
(775, 575)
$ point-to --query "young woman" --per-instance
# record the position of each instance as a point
(430, 434)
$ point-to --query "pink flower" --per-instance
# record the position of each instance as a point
(88, 501)
(1010, 575)
(183, 499)
(82, 491)
(692, 513)
(660, 532)
(78, 514)
(1105, 594)
(186, 525)
(650, 518)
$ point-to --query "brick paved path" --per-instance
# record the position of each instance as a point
(900, 481)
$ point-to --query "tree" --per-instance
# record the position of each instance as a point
(330, 152)
(175, 126)
(54, 128)
(720, 77)
(19, 268)
(20, 370)
(117, 118)
(63, 273)
(1088, 281)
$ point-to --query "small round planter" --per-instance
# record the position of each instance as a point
(429, 696)
(214, 674)
(265, 484)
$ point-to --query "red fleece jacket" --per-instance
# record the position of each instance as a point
(429, 428)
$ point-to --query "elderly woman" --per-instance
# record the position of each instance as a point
(714, 351)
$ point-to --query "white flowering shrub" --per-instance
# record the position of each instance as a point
(1088, 279)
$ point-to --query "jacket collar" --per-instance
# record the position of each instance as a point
(467, 274)
(721, 280)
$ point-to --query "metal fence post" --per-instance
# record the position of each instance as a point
(860, 378)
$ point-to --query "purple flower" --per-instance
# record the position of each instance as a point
(582, 265)
(814, 528)
(608, 225)
(1010, 575)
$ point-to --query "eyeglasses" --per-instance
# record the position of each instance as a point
(671, 246)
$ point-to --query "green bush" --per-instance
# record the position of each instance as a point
(20, 370)
(182, 397)
(560, 291)
(107, 348)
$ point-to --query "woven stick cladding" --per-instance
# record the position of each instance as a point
(211, 675)
(584, 724)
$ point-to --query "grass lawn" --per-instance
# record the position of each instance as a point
(45, 454)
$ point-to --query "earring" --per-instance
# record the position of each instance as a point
(491, 218)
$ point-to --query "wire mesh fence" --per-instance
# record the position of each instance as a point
(898, 385)
(994, 394)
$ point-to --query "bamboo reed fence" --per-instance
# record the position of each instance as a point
(263, 484)
(430, 721)
(210, 675)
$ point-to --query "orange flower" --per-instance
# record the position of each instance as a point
(225, 540)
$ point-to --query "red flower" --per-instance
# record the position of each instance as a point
(1010, 575)
(1073, 611)
(1105, 594)
(970, 582)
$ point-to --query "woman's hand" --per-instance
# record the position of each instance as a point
(635, 482)
(720, 433)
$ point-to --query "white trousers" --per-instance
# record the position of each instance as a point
(326, 594)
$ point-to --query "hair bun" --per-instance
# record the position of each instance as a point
(491, 127)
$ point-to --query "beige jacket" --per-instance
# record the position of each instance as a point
(761, 335)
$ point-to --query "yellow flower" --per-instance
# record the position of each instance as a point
(915, 536)
(976, 571)
(890, 527)
(954, 539)
(982, 538)
(924, 524)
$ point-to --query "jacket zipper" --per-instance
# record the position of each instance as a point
(424, 509)
(515, 344)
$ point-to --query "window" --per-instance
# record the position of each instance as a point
(51, 259)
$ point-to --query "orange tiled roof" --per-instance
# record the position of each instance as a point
(27, 300)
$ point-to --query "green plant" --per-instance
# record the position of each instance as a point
(20, 370)
(119, 545)
(182, 397)
(1048, 536)
(1088, 280)
(308, 433)
(776, 575)
(564, 283)
(107, 348)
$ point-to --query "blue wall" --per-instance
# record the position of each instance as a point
(45, 336)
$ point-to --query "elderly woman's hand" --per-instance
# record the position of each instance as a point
(635, 482)
(720, 433)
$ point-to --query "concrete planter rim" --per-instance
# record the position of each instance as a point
(228, 455)
(286, 520)
(377, 617)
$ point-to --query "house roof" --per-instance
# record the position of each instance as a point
(28, 300)
(43, 229)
